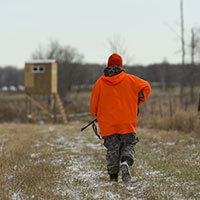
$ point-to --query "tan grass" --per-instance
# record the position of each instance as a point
(186, 122)
(19, 173)
(12, 109)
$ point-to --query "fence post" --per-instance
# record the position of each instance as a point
(170, 106)
(186, 103)
(160, 109)
(144, 107)
(152, 108)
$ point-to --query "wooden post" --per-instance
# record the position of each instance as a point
(170, 107)
(54, 109)
(199, 104)
(175, 103)
(26, 108)
(160, 109)
(152, 108)
(186, 103)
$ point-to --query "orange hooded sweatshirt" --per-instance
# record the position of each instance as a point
(114, 102)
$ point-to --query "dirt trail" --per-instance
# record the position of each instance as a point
(166, 165)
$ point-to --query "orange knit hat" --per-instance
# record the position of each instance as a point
(115, 59)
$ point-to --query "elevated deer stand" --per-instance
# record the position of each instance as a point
(41, 90)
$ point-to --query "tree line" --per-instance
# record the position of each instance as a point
(70, 74)
(72, 71)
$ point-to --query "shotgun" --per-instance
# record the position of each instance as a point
(95, 120)
(93, 126)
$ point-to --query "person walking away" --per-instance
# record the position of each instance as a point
(114, 102)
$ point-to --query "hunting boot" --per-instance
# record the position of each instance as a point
(114, 177)
(126, 174)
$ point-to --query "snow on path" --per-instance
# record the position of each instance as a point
(82, 166)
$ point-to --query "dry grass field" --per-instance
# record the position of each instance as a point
(60, 162)
(160, 112)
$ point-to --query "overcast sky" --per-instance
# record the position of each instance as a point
(148, 29)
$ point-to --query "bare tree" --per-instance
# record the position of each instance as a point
(67, 57)
(182, 33)
(117, 45)
(197, 44)
(193, 48)
(183, 50)
(11, 75)
(194, 45)
(54, 50)
(162, 74)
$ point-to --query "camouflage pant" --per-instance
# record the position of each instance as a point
(119, 148)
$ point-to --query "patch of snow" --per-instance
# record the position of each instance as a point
(40, 61)
(110, 195)
(16, 196)
(4, 88)
(94, 146)
(40, 161)
(51, 129)
(57, 162)
(21, 87)
(97, 195)
(170, 143)
(156, 150)
(35, 155)
(192, 146)
(10, 177)
(152, 173)
(61, 139)
(133, 186)
(12, 88)
(36, 145)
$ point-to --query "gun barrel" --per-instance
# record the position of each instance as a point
(95, 120)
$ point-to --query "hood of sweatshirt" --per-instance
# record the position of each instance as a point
(113, 80)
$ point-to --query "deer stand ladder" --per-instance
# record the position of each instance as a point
(48, 104)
